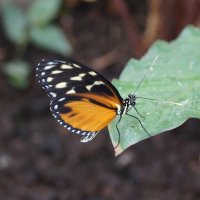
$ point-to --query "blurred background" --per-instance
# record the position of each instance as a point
(38, 159)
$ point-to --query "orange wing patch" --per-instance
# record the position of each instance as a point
(88, 116)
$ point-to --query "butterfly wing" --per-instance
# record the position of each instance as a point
(81, 100)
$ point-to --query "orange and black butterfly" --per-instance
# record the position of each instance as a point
(82, 100)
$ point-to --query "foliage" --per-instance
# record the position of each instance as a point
(18, 73)
(33, 26)
(174, 80)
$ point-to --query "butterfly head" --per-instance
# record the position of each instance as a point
(127, 104)
(131, 99)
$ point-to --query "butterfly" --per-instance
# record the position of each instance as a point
(81, 100)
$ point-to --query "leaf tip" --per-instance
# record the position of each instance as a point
(118, 150)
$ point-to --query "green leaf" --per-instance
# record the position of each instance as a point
(52, 39)
(14, 22)
(42, 12)
(18, 73)
(174, 80)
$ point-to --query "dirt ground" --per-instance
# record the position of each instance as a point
(40, 161)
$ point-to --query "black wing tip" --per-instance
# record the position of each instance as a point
(51, 61)
(45, 62)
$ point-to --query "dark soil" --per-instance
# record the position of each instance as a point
(40, 161)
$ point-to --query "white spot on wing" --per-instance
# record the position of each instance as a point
(53, 94)
(82, 74)
(83, 133)
(98, 83)
(61, 99)
(76, 65)
(61, 85)
(72, 91)
(78, 78)
(65, 66)
(92, 73)
(43, 73)
(56, 72)
(88, 87)
(49, 63)
(49, 67)
(49, 79)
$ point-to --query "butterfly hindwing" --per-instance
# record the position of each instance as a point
(81, 100)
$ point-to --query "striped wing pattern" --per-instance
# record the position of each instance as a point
(81, 100)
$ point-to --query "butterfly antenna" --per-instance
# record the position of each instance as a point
(150, 69)
(147, 98)
(162, 101)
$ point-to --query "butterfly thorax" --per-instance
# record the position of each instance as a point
(127, 103)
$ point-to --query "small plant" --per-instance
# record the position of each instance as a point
(33, 26)
(174, 82)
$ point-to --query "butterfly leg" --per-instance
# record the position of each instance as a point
(140, 123)
(89, 136)
(138, 112)
(118, 141)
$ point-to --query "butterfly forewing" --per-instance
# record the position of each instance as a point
(81, 100)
